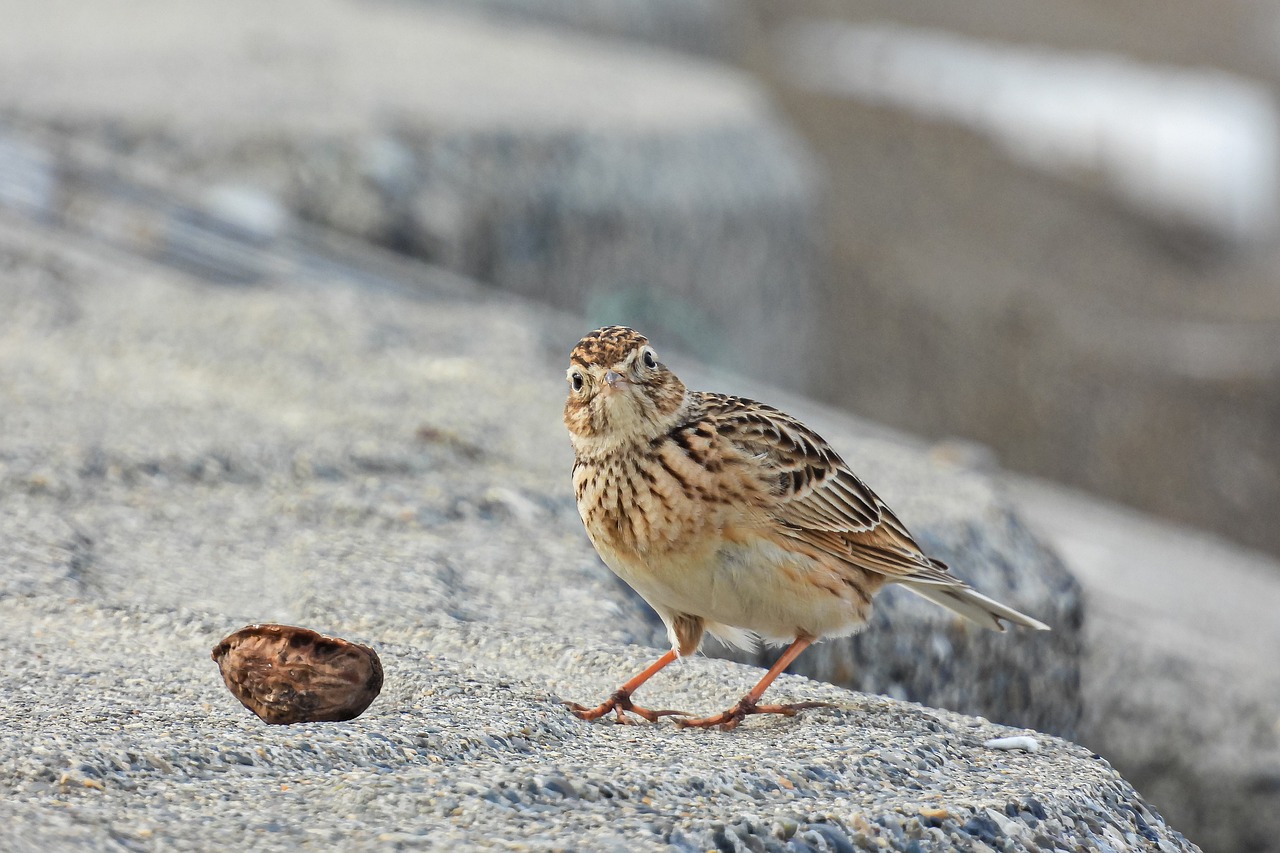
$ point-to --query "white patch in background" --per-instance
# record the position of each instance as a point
(1187, 147)
(1022, 742)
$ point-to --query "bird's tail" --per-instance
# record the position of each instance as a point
(974, 606)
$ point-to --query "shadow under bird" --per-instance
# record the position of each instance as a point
(730, 517)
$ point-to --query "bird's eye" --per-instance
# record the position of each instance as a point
(576, 380)
(650, 360)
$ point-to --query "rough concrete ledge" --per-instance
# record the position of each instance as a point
(182, 457)
(1175, 693)
(469, 747)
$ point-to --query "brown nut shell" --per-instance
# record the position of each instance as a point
(287, 675)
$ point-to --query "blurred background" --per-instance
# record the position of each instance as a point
(1047, 239)
(1056, 237)
(1051, 233)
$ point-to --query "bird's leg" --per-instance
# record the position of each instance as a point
(747, 704)
(620, 701)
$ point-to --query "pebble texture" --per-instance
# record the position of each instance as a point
(181, 458)
(135, 746)
(1174, 691)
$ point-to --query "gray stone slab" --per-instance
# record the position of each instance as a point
(1179, 682)
(121, 737)
(618, 180)
(179, 458)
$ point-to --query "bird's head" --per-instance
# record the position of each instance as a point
(619, 392)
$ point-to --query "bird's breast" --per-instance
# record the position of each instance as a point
(658, 500)
(687, 527)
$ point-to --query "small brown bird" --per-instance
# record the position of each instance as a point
(729, 516)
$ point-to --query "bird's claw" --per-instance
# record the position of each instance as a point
(620, 703)
(730, 719)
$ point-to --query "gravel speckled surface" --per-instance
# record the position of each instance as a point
(179, 459)
(127, 740)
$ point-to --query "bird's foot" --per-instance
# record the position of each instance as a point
(620, 703)
(731, 718)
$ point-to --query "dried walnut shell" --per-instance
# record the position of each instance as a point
(293, 675)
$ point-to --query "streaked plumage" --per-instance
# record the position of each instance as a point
(732, 517)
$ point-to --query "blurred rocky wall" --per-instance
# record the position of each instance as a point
(1056, 234)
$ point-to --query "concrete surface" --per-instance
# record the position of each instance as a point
(332, 512)
(1180, 685)
(136, 746)
(180, 458)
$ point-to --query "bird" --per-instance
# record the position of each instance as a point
(734, 519)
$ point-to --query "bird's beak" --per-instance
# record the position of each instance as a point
(616, 381)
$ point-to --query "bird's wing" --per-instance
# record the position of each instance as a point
(820, 501)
